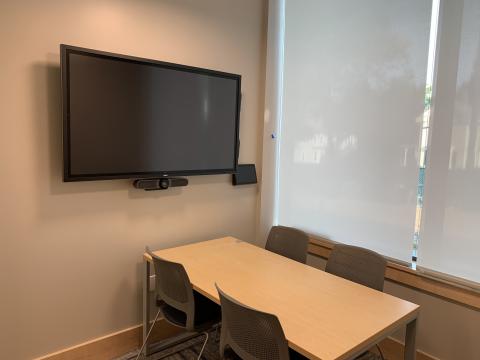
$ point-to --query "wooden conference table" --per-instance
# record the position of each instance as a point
(323, 316)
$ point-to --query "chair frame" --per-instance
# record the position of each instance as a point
(188, 307)
(361, 259)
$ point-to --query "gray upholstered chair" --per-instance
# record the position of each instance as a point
(363, 266)
(251, 334)
(288, 242)
(357, 264)
(178, 303)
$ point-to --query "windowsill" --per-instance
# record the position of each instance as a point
(412, 278)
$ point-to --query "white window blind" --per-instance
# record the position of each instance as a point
(353, 100)
(450, 240)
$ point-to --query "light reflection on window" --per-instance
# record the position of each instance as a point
(313, 150)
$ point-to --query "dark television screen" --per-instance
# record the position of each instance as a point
(127, 117)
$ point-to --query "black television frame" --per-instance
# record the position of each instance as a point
(65, 50)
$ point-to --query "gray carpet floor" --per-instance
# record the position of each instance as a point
(190, 350)
(185, 351)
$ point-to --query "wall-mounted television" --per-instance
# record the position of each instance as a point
(128, 117)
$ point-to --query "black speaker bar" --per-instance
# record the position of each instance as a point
(160, 183)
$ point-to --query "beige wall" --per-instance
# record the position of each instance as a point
(70, 253)
(445, 330)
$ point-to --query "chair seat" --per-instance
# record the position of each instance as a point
(207, 313)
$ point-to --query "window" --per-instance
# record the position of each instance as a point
(376, 127)
(354, 79)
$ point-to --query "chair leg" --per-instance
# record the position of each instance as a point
(380, 351)
(146, 338)
(216, 337)
(222, 354)
(204, 344)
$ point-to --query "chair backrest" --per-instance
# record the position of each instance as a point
(357, 264)
(173, 287)
(288, 242)
(252, 334)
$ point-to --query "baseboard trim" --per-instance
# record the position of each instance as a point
(122, 342)
(113, 345)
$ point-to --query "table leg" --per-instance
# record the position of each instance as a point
(410, 350)
(146, 303)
